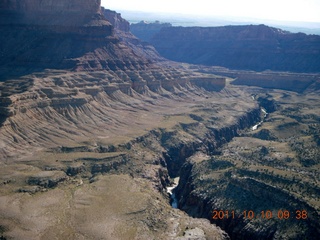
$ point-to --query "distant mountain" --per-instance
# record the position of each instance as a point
(146, 30)
(250, 47)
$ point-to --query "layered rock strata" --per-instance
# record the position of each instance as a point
(99, 132)
(123, 31)
(240, 47)
(59, 35)
(296, 82)
(68, 77)
(265, 171)
(238, 193)
(48, 12)
(116, 20)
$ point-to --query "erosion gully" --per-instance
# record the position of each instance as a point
(176, 157)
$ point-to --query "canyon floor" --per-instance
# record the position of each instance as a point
(81, 161)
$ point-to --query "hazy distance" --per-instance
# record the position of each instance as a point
(279, 10)
(296, 15)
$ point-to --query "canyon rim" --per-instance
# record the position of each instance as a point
(96, 124)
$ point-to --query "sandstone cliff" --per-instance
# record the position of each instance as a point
(122, 30)
(60, 35)
(74, 12)
(241, 47)
(93, 122)
(116, 20)
(69, 76)
(51, 5)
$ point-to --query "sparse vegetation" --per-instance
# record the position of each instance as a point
(94, 125)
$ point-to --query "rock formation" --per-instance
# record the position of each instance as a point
(47, 179)
(30, 6)
(238, 193)
(240, 47)
(59, 35)
(48, 12)
(94, 122)
(122, 30)
(296, 82)
(116, 20)
(68, 76)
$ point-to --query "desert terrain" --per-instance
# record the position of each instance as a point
(95, 125)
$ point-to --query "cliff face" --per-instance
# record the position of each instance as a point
(238, 192)
(91, 6)
(68, 76)
(90, 44)
(72, 35)
(116, 20)
(92, 124)
(240, 47)
(48, 12)
(254, 172)
(122, 30)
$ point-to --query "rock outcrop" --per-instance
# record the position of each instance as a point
(29, 6)
(116, 20)
(69, 76)
(48, 12)
(122, 30)
(237, 193)
(47, 179)
(93, 121)
(240, 47)
(296, 82)
(60, 35)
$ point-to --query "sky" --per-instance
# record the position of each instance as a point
(277, 10)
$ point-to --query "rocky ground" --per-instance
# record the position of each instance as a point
(273, 168)
(54, 147)
(95, 127)
(137, 142)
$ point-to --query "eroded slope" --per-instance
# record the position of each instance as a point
(88, 145)
(273, 168)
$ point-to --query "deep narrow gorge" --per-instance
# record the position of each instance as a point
(95, 125)
(215, 183)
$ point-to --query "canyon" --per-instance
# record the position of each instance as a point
(95, 125)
